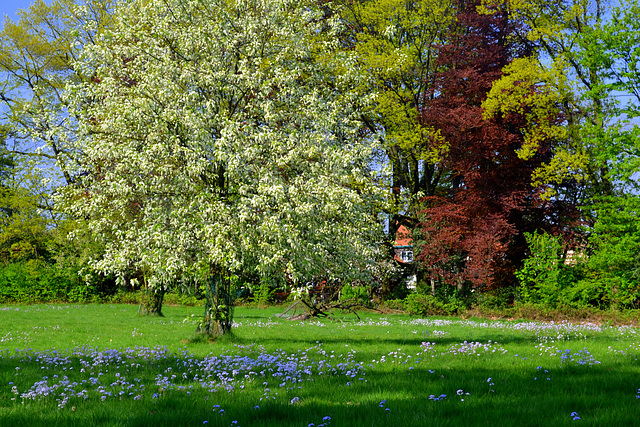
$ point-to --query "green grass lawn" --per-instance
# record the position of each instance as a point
(89, 365)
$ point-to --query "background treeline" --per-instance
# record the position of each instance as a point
(508, 129)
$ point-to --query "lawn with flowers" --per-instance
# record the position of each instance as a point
(84, 365)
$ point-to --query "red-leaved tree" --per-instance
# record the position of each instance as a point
(471, 230)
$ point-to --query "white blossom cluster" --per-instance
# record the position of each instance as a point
(224, 134)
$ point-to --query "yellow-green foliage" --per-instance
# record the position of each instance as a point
(36, 53)
(23, 228)
(548, 83)
(547, 21)
(527, 88)
(396, 46)
(538, 92)
(564, 165)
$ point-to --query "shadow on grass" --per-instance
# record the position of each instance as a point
(600, 399)
(406, 339)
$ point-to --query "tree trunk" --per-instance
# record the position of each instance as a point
(218, 309)
(151, 304)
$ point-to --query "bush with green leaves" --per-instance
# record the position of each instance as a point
(36, 281)
(539, 275)
(429, 305)
(393, 304)
(499, 298)
(613, 267)
(358, 293)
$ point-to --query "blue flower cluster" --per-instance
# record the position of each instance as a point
(581, 357)
(325, 422)
(180, 372)
(435, 399)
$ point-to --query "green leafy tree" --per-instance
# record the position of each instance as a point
(539, 276)
(23, 229)
(220, 138)
(612, 50)
(36, 57)
(585, 68)
(615, 53)
(560, 78)
(396, 43)
(612, 268)
(6, 166)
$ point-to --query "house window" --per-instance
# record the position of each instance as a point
(406, 256)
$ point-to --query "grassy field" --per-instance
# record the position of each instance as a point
(90, 365)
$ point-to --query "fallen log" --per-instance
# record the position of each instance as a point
(306, 308)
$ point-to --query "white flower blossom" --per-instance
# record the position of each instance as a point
(220, 133)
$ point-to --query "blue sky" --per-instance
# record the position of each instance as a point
(9, 7)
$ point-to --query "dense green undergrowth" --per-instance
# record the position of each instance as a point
(35, 282)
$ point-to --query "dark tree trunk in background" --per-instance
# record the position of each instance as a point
(151, 304)
(218, 310)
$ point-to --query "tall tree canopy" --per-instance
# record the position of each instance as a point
(396, 43)
(36, 63)
(219, 136)
(472, 227)
(583, 66)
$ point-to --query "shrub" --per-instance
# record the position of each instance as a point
(429, 305)
(500, 298)
(394, 304)
(585, 293)
(540, 273)
(356, 293)
(36, 281)
(173, 298)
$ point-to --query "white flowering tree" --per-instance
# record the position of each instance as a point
(222, 136)
(36, 57)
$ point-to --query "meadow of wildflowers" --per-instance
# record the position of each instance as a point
(61, 366)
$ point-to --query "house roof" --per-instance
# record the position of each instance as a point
(403, 238)
(403, 243)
